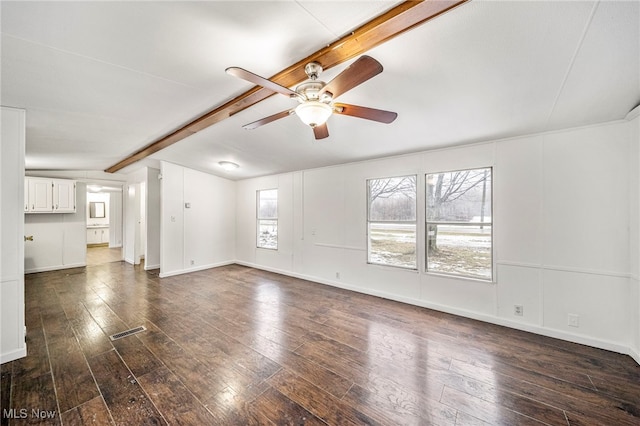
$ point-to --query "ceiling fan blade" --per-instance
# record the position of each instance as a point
(260, 81)
(379, 115)
(321, 131)
(268, 119)
(357, 73)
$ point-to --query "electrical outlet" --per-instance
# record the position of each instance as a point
(338, 275)
(573, 320)
(193, 262)
(518, 310)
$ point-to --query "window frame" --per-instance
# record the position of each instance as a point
(260, 219)
(427, 223)
(414, 222)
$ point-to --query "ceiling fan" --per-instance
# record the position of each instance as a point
(316, 98)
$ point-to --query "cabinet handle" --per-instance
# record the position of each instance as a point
(29, 238)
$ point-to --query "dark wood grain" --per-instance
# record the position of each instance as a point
(34, 395)
(6, 379)
(91, 337)
(321, 404)
(36, 363)
(173, 398)
(92, 412)
(73, 380)
(125, 398)
(273, 407)
(235, 345)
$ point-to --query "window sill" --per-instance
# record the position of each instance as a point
(459, 277)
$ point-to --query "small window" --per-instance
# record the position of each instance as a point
(392, 221)
(267, 212)
(458, 223)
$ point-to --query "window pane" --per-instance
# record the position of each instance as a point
(461, 196)
(392, 199)
(268, 234)
(392, 244)
(459, 249)
(268, 204)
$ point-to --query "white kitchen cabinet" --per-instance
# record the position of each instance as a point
(46, 195)
(39, 195)
(97, 235)
(64, 196)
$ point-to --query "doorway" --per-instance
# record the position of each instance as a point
(104, 224)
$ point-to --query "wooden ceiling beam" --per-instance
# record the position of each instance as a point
(390, 24)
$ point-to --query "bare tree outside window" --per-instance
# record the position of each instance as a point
(392, 221)
(267, 219)
(459, 226)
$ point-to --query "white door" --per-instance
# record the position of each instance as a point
(132, 249)
(12, 323)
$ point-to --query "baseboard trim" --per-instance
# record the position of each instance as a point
(149, 267)
(635, 355)
(54, 268)
(13, 355)
(196, 269)
(548, 332)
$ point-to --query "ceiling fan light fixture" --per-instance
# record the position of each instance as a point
(314, 113)
(228, 165)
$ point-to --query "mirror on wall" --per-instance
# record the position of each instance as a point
(96, 209)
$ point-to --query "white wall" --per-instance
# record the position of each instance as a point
(202, 235)
(561, 232)
(59, 239)
(634, 232)
(116, 225)
(153, 206)
(12, 320)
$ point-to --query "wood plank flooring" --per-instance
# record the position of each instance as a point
(235, 345)
(99, 254)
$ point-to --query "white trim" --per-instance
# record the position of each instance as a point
(635, 355)
(340, 247)
(558, 334)
(55, 268)
(149, 267)
(13, 355)
(566, 269)
(196, 269)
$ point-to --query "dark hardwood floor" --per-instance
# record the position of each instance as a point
(235, 345)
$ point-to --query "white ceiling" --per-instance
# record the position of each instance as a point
(101, 80)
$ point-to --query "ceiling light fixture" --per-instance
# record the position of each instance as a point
(228, 165)
(314, 113)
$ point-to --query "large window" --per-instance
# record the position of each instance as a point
(458, 223)
(392, 221)
(267, 218)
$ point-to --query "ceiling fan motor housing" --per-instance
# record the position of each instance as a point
(310, 91)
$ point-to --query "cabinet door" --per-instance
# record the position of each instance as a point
(105, 235)
(93, 236)
(64, 196)
(26, 195)
(40, 195)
